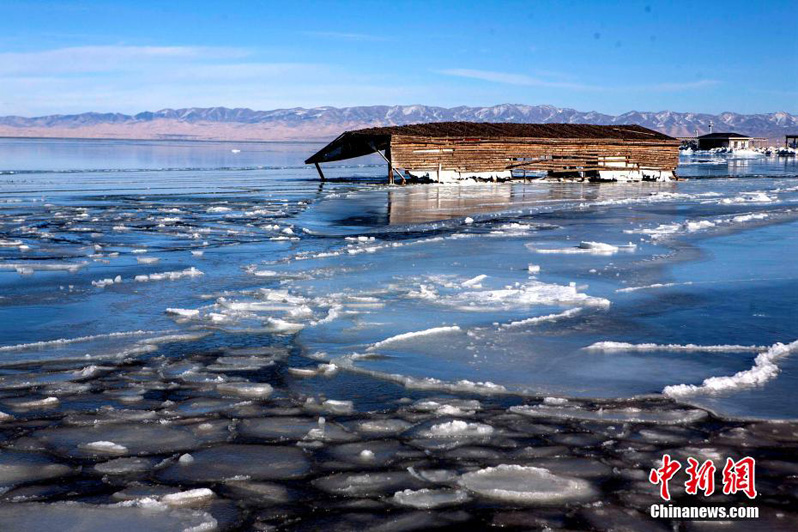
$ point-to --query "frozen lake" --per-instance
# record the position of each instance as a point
(182, 282)
(250, 243)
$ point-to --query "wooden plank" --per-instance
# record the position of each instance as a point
(500, 154)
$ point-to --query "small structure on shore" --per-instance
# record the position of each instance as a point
(730, 141)
(453, 151)
(791, 141)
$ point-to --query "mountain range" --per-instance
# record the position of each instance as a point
(323, 123)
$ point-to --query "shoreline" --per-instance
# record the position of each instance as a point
(136, 139)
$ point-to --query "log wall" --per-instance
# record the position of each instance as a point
(543, 154)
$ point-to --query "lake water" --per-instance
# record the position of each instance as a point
(162, 284)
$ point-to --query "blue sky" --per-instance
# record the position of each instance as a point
(67, 57)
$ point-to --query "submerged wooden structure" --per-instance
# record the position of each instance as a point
(451, 151)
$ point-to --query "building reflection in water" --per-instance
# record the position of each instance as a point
(428, 203)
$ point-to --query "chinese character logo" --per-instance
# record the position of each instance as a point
(664, 474)
(738, 476)
(701, 478)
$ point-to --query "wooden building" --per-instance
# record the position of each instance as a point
(791, 141)
(451, 151)
(731, 141)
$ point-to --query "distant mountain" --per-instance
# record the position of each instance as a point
(322, 123)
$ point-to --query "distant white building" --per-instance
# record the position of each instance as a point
(733, 141)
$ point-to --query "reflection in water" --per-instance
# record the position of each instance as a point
(428, 203)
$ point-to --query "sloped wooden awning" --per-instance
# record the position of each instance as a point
(349, 145)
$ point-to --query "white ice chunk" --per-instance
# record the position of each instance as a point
(195, 497)
(246, 389)
(104, 447)
(145, 514)
(612, 415)
(169, 276)
(458, 429)
(542, 319)
(280, 326)
(338, 407)
(427, 499)
(526, 485)
(764, 369)
(183, 313)
(475, 282)
(596, 248)
(406, 336)
(623, 346)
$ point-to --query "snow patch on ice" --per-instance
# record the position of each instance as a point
(416, 334)
(169, 276)
(595, 248)
(749, 197)
(67, 341)
(652, 286)
(646, 347)
(570, 313)
(104, 447)
(458, 429)
(188, 498)
(427, 499)
(765, 368)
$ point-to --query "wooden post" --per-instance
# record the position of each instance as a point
(391, 169)
(321, 174)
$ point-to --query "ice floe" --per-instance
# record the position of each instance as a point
(608, 346)
(652, 286)
(416, 334)
(169, 276)
(79, 339)
(246, 389)
(146, 514)
(667, 230)
(104, 447)
(125, 438)
(30, 267)
(427, 499)
(189, 498)
(102, 283)
(677, 416)
(750, 197)
(537, 320)
(765, 368)
(526, 485)
(368, 484)
(595, 248)
(519, 295)
(18, 467)
(238, 461)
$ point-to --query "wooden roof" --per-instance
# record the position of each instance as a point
(364, 141)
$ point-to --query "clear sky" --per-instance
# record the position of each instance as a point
(130, 56)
